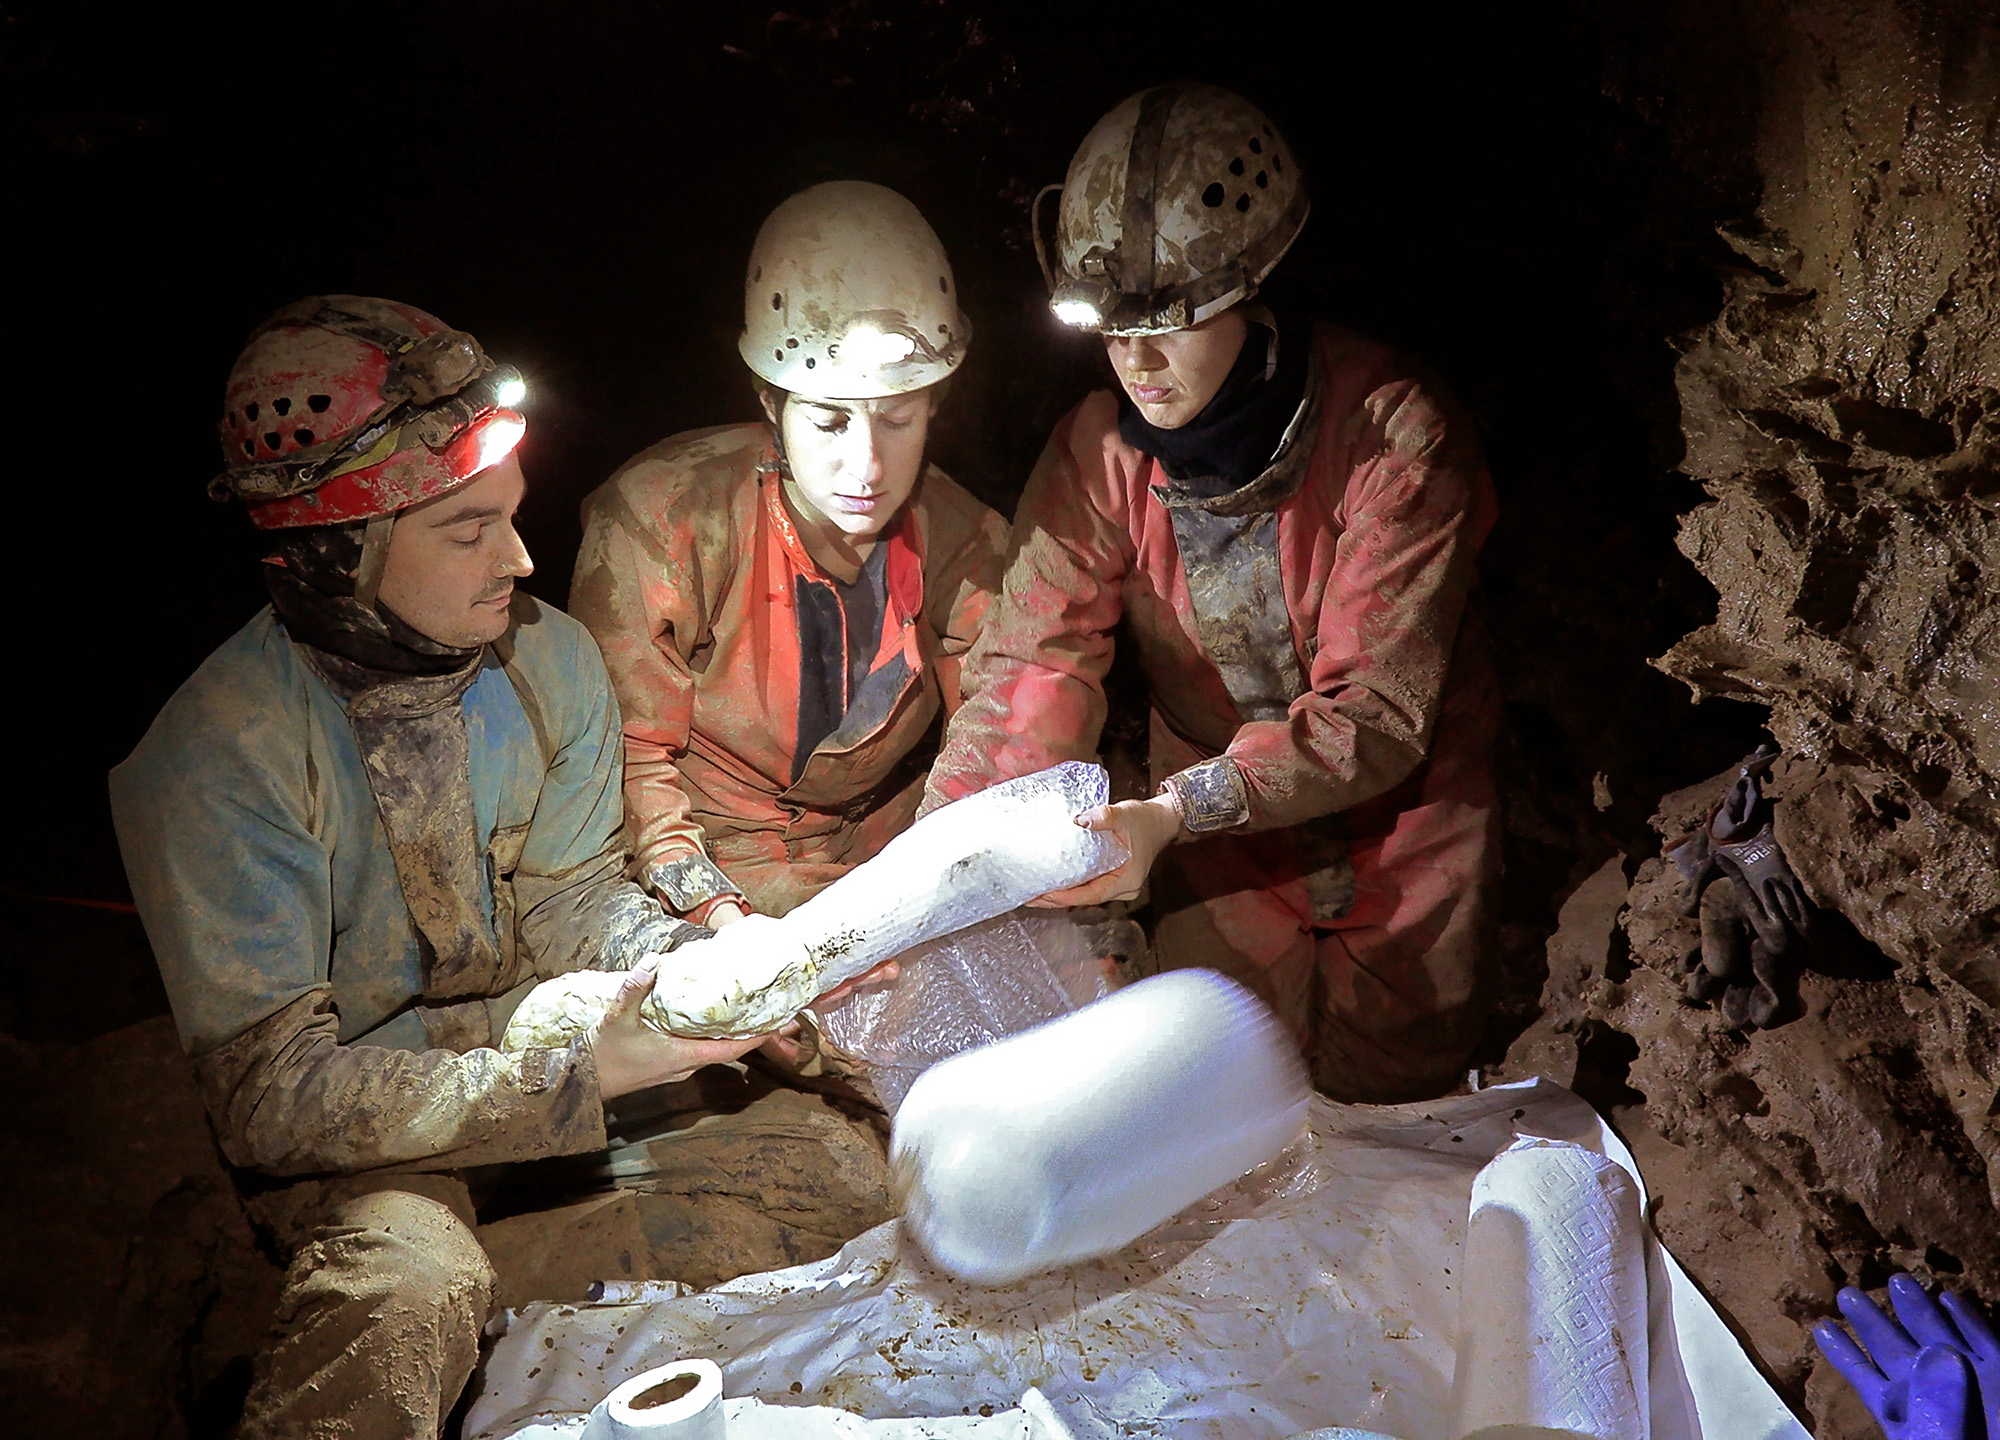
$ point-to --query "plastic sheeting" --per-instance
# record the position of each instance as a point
(1321, 1291)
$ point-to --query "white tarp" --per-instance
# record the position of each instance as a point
(1322, 1292)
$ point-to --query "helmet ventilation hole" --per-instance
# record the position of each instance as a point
(250, 411)
(778, 354)
(777, 299)
(944, 329)
(249, 447)
(304, 437)
(791, 342)
(283, 405)
(1243, 202)
(757, 274)
(1213, 195)
(809, 362)
(1263, 180)
(944, 286)
(273, 439)
(1278, 163)
(1236, 166)
(318, 403)
(1256, 146)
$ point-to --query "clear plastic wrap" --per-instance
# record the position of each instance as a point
(965, 990)
(963, 863)
(1073, 1139)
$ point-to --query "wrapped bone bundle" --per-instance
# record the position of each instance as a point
(963, 863)
(1071, 1140)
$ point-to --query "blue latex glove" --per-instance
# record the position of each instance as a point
(1922, 1379)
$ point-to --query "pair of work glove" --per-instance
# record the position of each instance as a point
(1754, 927)
(1933, 1376)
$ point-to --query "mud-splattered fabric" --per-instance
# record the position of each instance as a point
(296, 974)
(385, 1293)
(1375, 549)
(410, 731)
(691, 577)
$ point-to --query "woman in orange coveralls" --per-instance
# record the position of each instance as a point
(1284, 516)
(783, 606)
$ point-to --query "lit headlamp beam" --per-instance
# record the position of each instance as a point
(1080, 313)
(867, 348)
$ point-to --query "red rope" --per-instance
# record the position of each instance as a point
(117, 907)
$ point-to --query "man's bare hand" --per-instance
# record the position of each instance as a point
(1144, 828)
(632, 1056)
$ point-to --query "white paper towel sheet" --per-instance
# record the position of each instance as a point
(1323, 1292)
(1552, 1315)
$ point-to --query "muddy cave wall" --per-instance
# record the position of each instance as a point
(1839, 412)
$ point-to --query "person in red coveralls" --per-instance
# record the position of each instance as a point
(783, 606)
(1284, 517)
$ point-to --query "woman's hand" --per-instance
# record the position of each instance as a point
(1144, 828)
(783, 1045)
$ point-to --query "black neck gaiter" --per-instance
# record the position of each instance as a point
(1232, 440)
(310, 578)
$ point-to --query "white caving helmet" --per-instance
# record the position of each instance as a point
(850, 297)
(1178, 204)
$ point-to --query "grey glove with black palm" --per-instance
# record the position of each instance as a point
(1755, 930)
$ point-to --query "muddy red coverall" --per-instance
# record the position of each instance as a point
(1386, 743)
(692, 577)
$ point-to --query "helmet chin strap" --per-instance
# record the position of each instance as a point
(374, 558)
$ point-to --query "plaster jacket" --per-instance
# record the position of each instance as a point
(693, 578)
(297, 977)
(1375, 552)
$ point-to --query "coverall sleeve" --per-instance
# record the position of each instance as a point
(577, 909)
(641, 594)
(1034, 679)
(236, 893)
(1419, 504)
(960, 586)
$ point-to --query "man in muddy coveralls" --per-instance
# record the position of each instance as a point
(1284, 517)
(368, 824)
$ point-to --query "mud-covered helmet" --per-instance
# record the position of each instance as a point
(345, 408)
(849, 297)
(1176, 206)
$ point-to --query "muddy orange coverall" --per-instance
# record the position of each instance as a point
(1326, 649)
(696, 585)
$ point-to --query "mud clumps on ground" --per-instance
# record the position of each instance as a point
(136, 1293)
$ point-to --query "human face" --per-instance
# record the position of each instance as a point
(1172, 377)
(853, 462)
(453, 561)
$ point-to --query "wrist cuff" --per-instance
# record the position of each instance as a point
(687, 882)
(1210, 796)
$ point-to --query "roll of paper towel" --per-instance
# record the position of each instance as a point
(681, 1401)
(1553, 1303)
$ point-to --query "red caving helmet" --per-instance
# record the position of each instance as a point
(345, 408)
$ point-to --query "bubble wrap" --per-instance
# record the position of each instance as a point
(962, 991)
(963, 863)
